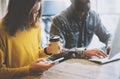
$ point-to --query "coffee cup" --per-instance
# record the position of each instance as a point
(55, 45)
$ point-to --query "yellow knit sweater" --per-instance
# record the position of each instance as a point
(19, 51)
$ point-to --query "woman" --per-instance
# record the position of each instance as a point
(20, 40)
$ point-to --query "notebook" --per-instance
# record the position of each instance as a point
(115, 49)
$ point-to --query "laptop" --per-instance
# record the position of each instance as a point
(115, 49)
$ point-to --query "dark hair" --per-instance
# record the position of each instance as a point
(18, 13)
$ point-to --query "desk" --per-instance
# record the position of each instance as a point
(81, 69)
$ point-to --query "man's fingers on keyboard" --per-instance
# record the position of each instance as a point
(103, 54)
(97, 55)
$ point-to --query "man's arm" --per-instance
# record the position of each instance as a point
(102, 33)
(57, 28)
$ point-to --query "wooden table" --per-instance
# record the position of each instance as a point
(81, 69)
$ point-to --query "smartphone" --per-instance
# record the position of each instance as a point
(50, 61)
(59, 59)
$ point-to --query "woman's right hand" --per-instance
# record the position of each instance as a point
(39, 66)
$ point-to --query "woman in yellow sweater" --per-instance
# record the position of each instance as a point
(20, 36)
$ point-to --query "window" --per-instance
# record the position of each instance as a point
(109, 13)
(3, 6)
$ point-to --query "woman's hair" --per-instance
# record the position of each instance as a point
(19, 12)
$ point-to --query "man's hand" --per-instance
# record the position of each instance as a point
(95, 52)
(108, 49)
(39, 66)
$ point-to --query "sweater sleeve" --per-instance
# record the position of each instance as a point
(10, 73)
(42, 53)
(41, 50)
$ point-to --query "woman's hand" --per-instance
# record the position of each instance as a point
(39, 66)
(54, 49)
(95, 52)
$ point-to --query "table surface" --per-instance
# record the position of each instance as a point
(81, 69)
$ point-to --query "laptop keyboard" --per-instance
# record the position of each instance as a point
(105, 59)
(101, 59)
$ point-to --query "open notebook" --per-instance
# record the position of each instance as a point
(115, 48)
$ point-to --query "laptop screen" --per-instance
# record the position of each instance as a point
(115, 46)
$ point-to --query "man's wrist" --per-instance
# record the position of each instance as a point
(82, 54)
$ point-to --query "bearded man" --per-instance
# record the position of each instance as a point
(76, 26)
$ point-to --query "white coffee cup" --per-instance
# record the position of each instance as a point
(55, 45)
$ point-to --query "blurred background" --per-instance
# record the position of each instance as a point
(107, 9)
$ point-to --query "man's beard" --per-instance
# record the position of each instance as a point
(82, 7)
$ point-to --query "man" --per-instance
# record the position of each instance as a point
(76, 26)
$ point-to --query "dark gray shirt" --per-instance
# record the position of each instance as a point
(77, 32)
